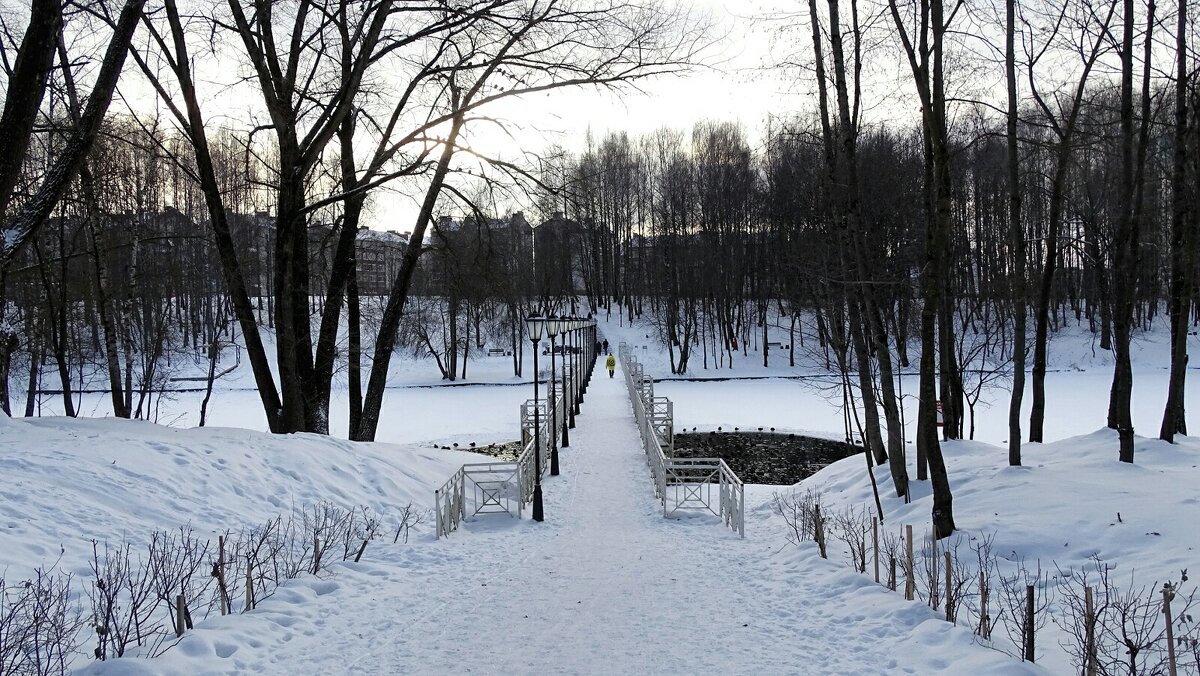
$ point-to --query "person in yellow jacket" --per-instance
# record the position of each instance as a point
(611, 365)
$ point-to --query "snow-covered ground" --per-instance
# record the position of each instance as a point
(605, 577)
(604, 585)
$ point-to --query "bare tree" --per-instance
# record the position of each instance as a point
(1061, 115)
(1017, 237)
(1183, 236)
(534, 47)
(925, 58)
(23, 224)
(1134, 141)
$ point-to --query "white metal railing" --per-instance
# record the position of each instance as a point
(505, 487)
(652, 442)
(680, 483)
(448, 504)
(477, 488)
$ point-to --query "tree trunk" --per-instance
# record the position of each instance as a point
(343, 261)
(1183, 244)
(950, 384)
(1125, 242)
(107, 314)
(930, 86)
(1042, 312)
(71, 157)
(389, 325)
(1017, 240)
(235, 279)
(35, 376)
(862, 358)
(104, 306)
(354, 350)
(26, 88)
(293, 331)
(943, 512)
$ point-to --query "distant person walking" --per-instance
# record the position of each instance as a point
(611, 365)
(606, 345)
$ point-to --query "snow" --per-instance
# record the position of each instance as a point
(1058, 510)
(606, 583)
(69, 481)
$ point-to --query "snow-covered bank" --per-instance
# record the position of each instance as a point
(69, 481)
(1070, 501)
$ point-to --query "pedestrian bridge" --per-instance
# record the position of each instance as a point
(546, 422)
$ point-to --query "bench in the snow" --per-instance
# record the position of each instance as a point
(498, 352)
(777, 346)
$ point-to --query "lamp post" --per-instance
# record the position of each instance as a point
(576, 325)
(591, 358)
(593, 352)
(553, 327)
(585, 349)
(534, 324)
(564, 326)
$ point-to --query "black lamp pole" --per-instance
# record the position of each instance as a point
(552, 330)
(582, 363)
(535, 325)
(594, 352)
(591, 348)
(576, 326)
(563, 324)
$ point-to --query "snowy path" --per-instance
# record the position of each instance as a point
(604, 585)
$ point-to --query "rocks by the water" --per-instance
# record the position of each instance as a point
(765, 457)
(756, 457)
(506, 451)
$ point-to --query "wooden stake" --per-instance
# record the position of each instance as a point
(1029, 623)
(985, 621)
(249, 585)
(910, 585)
(1090, 632)
(226, 607)
(933, 561)
(949, 589)
(819, 527)
(875, 545)
(1168, 594)
(179, 613)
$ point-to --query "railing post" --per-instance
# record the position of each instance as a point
(437, 510)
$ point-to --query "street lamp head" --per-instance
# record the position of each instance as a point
(534, 324)
(553, 326)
